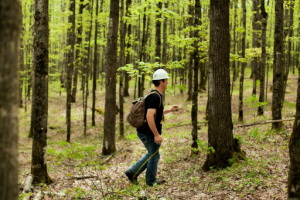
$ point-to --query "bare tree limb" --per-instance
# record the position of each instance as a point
(264, 122)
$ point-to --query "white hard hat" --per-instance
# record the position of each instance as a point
(160, 74)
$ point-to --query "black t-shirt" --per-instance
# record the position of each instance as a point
(153, 101)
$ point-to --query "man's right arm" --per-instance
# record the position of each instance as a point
(150, 119)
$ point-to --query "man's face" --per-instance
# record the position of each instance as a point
(165, 83)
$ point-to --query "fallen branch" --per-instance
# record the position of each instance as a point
(83, 177)
(111, 156)
(264, 122)
(27, 184)
(188, 124)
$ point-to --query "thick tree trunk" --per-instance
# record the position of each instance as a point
(294, 150)
(77, 51)
(40, 93)
(263, 56)
(195, 87)
(109, 144)
(278, 66)
(158, 33)
(220, 135)
(95, 65)
(70, 66)
(121, 64)
(241, 112)
(127, 59)
(10, 23)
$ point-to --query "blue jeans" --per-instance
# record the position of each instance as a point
(144, 163)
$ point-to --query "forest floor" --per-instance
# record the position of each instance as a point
(79, 171)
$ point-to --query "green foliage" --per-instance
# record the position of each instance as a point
(132, 136)
(76, 152)
(204, 147)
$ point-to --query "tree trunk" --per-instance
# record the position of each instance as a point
(241, 112)
(190, 64)
(142, 55)
(234, 70)
(95, 64)
(195, 88)
(278, 68)
(85, 75)
(294, 150)
(220, 135)
(255, 43)
(158, 33)
(288, 62)
(70, 65)
(10, 23)
(40, 93)
(165, 44)
(77, 51)
(127, 59)
(21, 70)
(121, 64)
(109, 144)
(263, 56)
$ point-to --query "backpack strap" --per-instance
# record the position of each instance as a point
(154, 92)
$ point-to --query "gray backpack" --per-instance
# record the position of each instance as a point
(136, 116)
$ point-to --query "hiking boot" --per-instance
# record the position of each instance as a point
(159, 182)
(131, 178)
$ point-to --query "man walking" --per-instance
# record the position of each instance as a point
(150, 132)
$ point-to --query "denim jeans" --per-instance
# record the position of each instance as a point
(151, 164)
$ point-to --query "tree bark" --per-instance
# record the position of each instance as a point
(220, 135)
(241, 112)
(21, 69)
(10, 23)
(165, 32)
(40, 93)
(294, 151)
(142, 55)
(78, 58)
(95, 64)
(109, 144)
(263, 56)
(234, 70)
(70, 65)
(290, 35)
(195, 87)
(121, 64)
(158, 33)
(127, 58)
(190, 64)
(278, 68)
(87, 62)
(255, 43)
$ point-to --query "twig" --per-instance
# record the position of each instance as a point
(264, 122)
